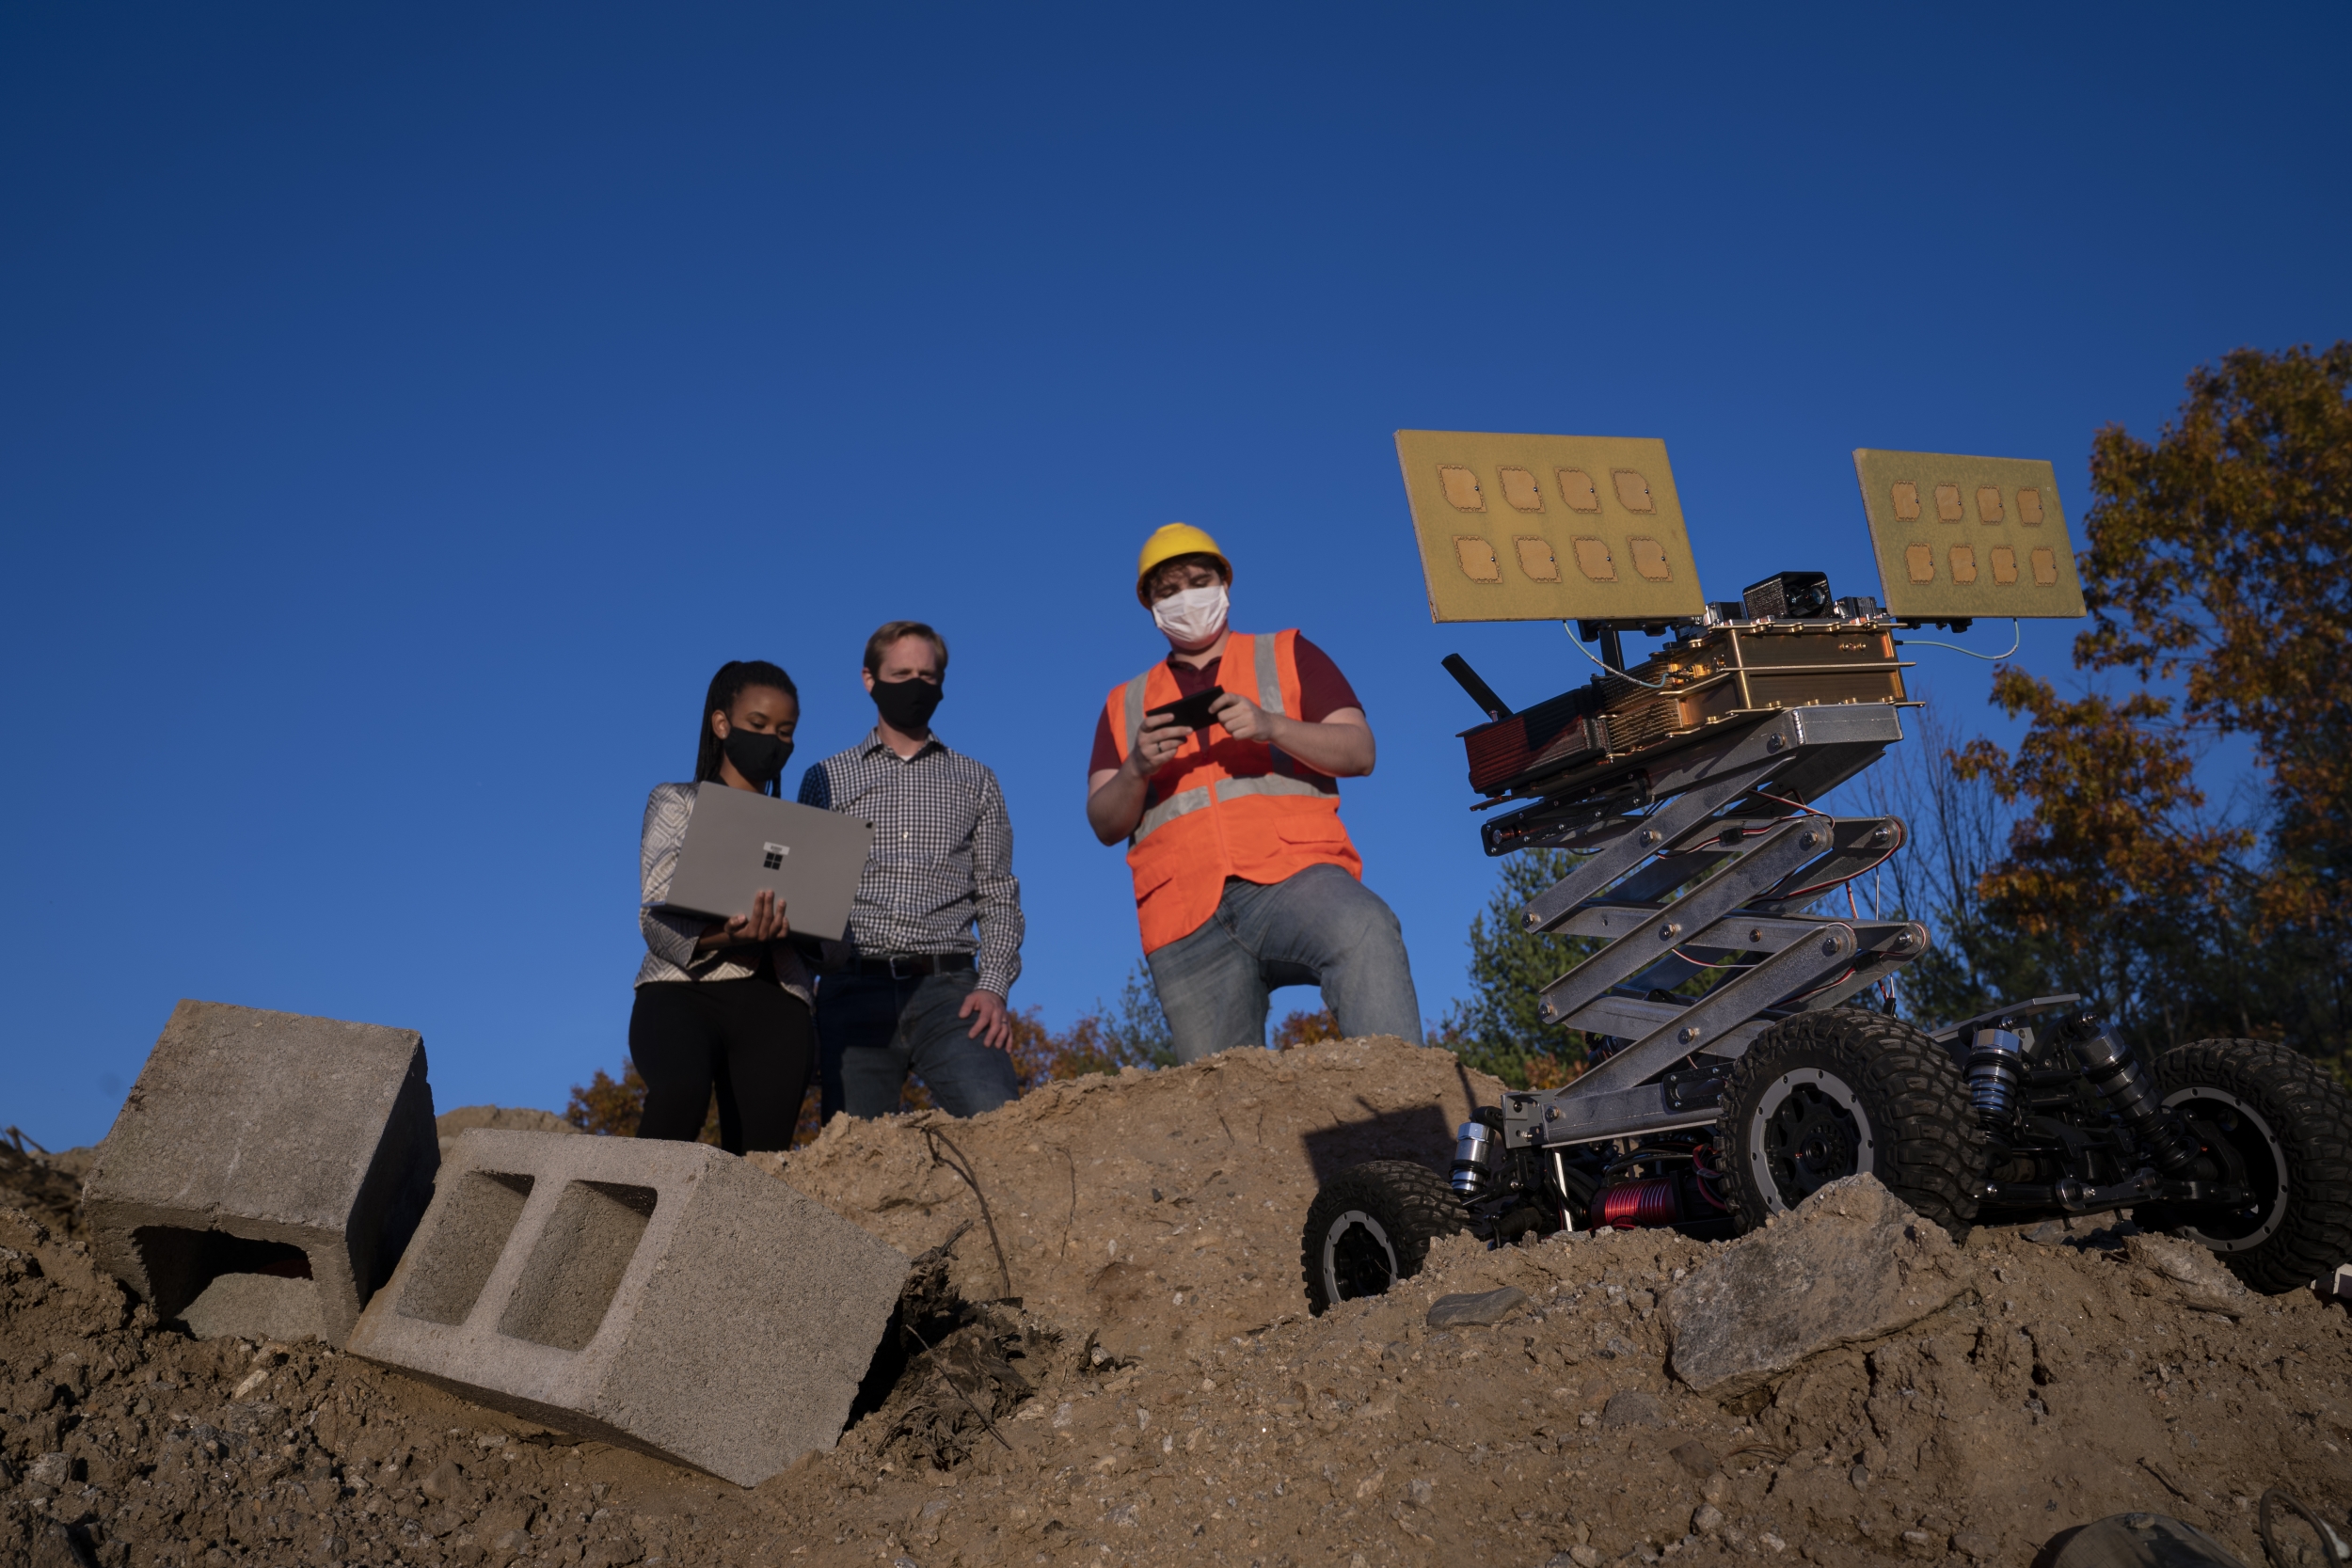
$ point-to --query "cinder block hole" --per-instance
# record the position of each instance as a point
(477, 1217)
(180, 1263)
(577, 1267)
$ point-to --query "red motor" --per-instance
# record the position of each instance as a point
(1657, 1201)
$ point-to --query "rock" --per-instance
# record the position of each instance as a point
(54, 1547)
(53, 1471)
(1476, 1310)
(504, 1118)
(2048, 1233)
(1695, 1457)
(505, 1517)
(1584, 1557)
(249, 1306)
(1632, 1408)
(1852, 1264)
(1705, 1519)
(2197, 1275)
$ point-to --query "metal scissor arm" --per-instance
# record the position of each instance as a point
(1714, 877)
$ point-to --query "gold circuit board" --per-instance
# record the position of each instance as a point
(1974, 537)
(1547, 528)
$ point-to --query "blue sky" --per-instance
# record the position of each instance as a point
(404, 409)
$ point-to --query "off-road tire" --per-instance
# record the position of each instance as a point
(1373, 1221)
(2304, 1133)
(1893, 1093)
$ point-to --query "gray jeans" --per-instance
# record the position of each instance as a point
(1321, 927)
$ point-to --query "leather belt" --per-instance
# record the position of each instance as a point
(900, 966)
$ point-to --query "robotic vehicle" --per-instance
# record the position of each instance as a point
(1733, 1073)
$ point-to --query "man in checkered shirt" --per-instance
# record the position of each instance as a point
(920, 992)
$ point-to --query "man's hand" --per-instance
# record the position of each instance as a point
(1156, 743)
(766, 923)
(1340, 744)
(995, 1019)
(1244, 720)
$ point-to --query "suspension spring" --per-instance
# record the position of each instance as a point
(2117, 1071)
(1996, 1066)
(1654, 1201)
(1473, 1159)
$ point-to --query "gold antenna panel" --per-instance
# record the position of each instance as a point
(1549, 528)
(1968, 537)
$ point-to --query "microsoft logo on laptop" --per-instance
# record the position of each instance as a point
(772, 856)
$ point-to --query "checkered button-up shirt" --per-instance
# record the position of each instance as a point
(941, 859)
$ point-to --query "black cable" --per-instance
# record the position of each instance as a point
(972, 1180)
(2270, 1541)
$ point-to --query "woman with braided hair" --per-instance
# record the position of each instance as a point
(722, 1005)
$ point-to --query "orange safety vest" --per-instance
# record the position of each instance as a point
(1223, 807)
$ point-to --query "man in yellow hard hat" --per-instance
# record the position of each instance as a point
(1244, 877)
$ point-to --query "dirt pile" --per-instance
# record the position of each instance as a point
(44, 1184)
(1107, 1199)
(1155, 1394)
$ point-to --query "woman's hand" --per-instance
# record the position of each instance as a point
(766, 923)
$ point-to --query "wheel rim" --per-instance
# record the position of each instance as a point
(2241, 1127)
(1357, 1259)
(1806, 1131)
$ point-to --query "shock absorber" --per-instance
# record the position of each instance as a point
(1474, 1153)
(1996, 1066)
(2117, 1072)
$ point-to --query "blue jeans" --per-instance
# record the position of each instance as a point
(1319, 926)
(871, 1030)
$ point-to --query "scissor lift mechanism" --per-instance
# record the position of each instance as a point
(1705, 820)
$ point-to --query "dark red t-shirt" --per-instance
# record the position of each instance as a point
(1321, 692)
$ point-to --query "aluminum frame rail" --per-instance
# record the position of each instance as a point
(1705, 881)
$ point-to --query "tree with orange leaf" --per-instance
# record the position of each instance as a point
(2217, 569)
(2112, 868)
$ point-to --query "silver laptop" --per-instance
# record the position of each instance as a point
(739, 843)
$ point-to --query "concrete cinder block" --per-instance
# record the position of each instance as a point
(262, 1159)
(665, 1296)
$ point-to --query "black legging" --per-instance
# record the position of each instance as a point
(749, 1040)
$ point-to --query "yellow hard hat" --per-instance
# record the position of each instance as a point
(1171, 541)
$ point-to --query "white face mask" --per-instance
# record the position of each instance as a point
(1193, 618)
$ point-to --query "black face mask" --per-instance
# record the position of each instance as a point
(907, 706)
(758, 757)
